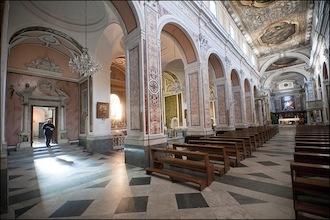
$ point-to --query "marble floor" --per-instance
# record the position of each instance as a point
(65, 182)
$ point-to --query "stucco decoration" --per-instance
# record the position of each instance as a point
(26, 93)
(45, 64)
(256, 20)
(62, 96)
(228, 62)
(45, 86)
(285, 85)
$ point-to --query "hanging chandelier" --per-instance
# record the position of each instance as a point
(83, 64)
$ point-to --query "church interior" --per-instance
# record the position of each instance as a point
(122, 80)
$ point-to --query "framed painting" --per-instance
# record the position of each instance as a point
(102, 110)
(288, 103)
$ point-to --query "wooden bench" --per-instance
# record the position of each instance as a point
(310, 188)
(232, 150)
(217, 155)
(313, 149)
(308, 157)
(312, 138)
(247, 148)
(249, 139)
(163, 161)
(312, 143)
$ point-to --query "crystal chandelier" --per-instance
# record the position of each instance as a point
(83, 64)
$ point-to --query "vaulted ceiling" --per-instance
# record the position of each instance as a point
(273, 26)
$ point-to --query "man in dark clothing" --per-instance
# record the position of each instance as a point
(48, 131)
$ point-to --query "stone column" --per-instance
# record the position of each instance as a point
(3, 142)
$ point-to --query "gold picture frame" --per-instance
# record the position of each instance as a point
(102, 110)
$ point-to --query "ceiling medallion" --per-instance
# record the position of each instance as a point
(278, 33)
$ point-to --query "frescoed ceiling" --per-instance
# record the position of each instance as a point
(273, 26)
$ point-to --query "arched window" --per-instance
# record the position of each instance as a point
(232, 31)
(115, 107)
(213, 8)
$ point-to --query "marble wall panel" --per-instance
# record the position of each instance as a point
(222, 104)
(238, 107)
(194, 99)
(134, 88)
(248, 109)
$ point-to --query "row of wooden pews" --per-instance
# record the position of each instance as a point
(201, 157)
(310, 173)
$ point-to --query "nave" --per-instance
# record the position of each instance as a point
(67, 182)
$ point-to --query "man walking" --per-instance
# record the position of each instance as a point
(48, 131)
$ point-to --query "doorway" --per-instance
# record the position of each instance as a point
(39, 115)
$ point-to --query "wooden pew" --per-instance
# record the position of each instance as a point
(232, 150)
(314, 158)
(217, 155)
(312, 138)
(240, 143)
(310, 188)
(313, 149)
(163, 159)
(313, 143)
(249, 140)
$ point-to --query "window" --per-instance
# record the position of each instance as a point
(115, 107)
(244, 48)
(213, 8)
(232, 32)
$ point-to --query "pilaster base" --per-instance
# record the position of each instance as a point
(63, 137)
(4, 179)
(137, 151)
(24, 140)
(97, 144)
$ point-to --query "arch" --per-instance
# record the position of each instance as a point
(217, 65)
(183, 40)
(177, 30)
(274, 59)
(273, 75)
(237, 97)
(234, 78)
(248, 102)
(247, 86)
(127, 14)
(325, 72)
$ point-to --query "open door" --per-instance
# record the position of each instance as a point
(39, 115)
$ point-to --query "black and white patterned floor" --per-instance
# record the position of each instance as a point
(67, 183)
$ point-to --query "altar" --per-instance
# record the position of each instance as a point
(285, 121)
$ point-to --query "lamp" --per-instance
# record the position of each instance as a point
(83, 64)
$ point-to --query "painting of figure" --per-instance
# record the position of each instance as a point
(288, 103)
